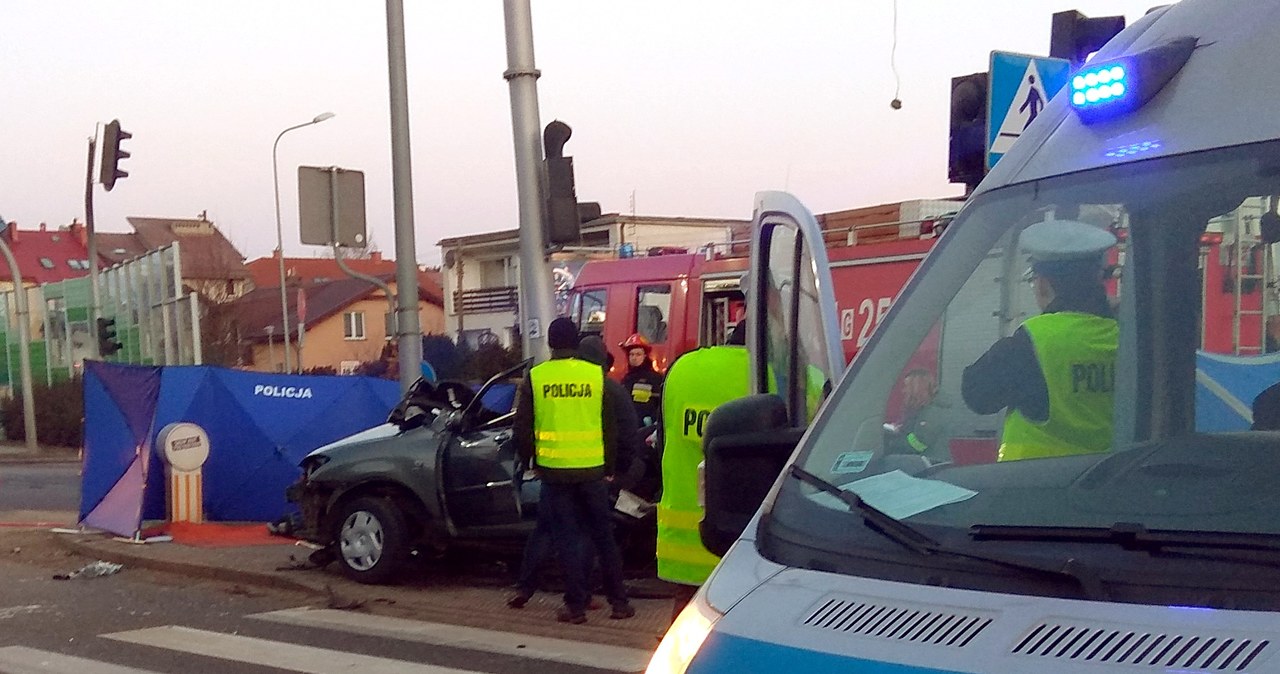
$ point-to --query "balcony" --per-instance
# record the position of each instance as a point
(486, 300)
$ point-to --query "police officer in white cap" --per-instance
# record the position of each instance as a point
(1055, 375)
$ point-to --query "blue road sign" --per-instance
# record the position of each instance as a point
(1021, 86)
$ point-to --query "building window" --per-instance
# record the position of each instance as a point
(493, 274)
(46, 263)
(353, 325)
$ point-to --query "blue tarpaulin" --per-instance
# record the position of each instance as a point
(1226, 387)
(259, 426)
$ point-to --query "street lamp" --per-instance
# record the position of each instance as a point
(284, 295)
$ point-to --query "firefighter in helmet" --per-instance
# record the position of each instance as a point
(642, 381)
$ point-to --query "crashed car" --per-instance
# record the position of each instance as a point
(441, 472)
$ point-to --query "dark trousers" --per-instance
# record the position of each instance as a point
(536, 551)
(579, 519)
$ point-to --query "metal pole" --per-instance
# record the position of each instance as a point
(408, 328)
(535, 278)
(197, 346)
(337, 253)
(92, 245)
(275, 175)
(24, 347)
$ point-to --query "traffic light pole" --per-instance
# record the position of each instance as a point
(535, 278)
(95, 303)
(408, 327)
(24, 350)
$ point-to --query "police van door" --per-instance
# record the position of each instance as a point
(793, 331)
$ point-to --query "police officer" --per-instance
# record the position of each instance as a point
(697, 382)
(1055, 375)
(565, 426)
(628, 470)
(642, 381)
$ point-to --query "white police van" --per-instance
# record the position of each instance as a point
(1160, 554)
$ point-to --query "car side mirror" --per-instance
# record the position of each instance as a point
(456, 421)
(745, 444)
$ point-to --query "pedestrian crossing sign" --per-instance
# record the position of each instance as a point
(1021, 86)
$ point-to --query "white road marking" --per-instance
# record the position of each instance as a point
(469, 638)
(23, 660)
(282, 655)
(13, 611)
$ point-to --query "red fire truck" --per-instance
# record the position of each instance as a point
(679, 300)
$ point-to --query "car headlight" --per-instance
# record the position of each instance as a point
(685, 637)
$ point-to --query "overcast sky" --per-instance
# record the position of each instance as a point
(690, 105)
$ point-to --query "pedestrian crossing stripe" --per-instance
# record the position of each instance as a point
(470, 638)
(278, 654)
(23, 660)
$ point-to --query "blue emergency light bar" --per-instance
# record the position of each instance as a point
(1099, 85)
(1104, 90)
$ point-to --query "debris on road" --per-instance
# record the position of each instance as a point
(341, 603)
(93, 570)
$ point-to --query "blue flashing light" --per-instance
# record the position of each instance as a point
(1099, 85)
(1133, 149)
(1103, 91)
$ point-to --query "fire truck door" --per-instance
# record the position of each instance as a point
(792, 327)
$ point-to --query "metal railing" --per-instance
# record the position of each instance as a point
(486, 300)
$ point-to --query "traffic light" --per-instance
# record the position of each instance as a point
(107, 342)
(109, 171)
(967, 155)
(1075, 36)
(563, 222)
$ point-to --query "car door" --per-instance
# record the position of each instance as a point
(478, 462)
(793, 331)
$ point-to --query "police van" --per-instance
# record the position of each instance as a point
(844, 552)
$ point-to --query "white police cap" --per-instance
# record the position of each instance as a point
(1065, 241)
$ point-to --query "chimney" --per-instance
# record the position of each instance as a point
(78, 232)
(44, 226)
(11, 231)
(376, 256)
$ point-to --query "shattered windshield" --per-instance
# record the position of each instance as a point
(1087, 351)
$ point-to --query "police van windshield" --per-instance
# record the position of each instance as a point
(1088, 353)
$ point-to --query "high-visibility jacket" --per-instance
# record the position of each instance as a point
(568, 414)
(1077, 354)
(697, 383)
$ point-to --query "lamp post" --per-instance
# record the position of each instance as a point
(284, 295)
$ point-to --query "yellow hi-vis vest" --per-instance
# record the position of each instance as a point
(697, 383)
(568, 414)
(1077, 353)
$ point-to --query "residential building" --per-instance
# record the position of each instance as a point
(45, 255)
(211, 264)
(481, 271)
(344, 324)
(265, 271)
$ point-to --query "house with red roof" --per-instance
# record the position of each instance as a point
(45, 255)
(343, 323)
(306, 270)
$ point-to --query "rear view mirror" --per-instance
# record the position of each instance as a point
(745, 444)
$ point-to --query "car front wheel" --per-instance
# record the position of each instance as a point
(372, 541)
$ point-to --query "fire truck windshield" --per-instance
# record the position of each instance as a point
(1090, 352)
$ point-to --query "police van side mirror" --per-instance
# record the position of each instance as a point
(745, 444)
